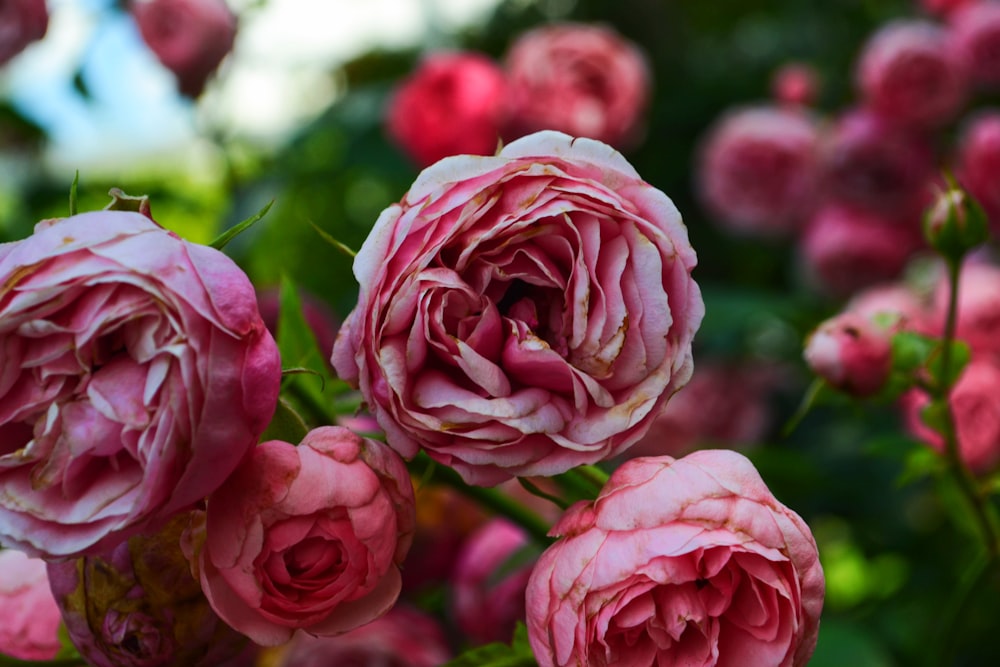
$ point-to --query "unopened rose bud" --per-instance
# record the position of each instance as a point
(850, 352)
(955, 223)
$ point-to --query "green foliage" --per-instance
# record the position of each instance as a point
(517, 654)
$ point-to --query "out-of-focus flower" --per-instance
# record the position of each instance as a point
(678, 562)
(316, 313)
(758, 169)
(851, 352)
(910, 72)
(978, 321)
(189, 37)
(138, 605)
(452, 104)
(308, 537)
(975, 406)
(525, 313)
(979, 162)
(795, 84)
(136, 374)
(487, 605)
(944, 8)
(403, 637)
(975, 28)
(584, 80)
(21, 23)
(893, 304)
(30, 628)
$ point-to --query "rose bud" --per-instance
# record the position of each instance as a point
(869, 162)
(189, 37)
(910, 72)
(138, 605)
(678, 561)
(979, 162)
(136, 374)
(955, 224)
(584, 80)
(308, 537)
(404, 637)
(846, 248)
(30, 628)
(975, 407)
(978, 321)
(795, 84)
(21, 23)
(758, 170)
(851, 352)
(452, 104)
(975, 29)
(525, 313)
(487, 604)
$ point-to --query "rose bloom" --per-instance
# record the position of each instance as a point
(979, 162)
(851, 352)
(21, 23)
(893, 304)
(30, 628)
(758, 169)
(137, 605)
(585, 80)
(686, 561)
(525, 313)
(910, 72)
(975, 407)
(308, 537)
(136, 374)
(975, 29)
(452, 104)
(189, 37)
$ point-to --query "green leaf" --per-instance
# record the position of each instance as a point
(234, 231)
(74, 206)
(921, 462)
(342, 247)
(287, 424)
(517, 654)
(960, 354)
(911, 351)
(935, 416)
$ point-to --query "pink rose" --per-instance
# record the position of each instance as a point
(452, 104)
(678, 562)
(758, 169)
(137, 373)
(978, 321)
(975, 406)
(895, 304)
(525, 313)
(910, 72)
(308, 537)
(30, 628)
(795, 84)
(851, 352)
(487, 593)
(21, 23)
(189, 37)
(975, 29)
(585, 80)
(403, 637)
(979, 162)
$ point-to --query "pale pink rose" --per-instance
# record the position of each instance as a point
(189, 37)
(978, 321)
(979, 162)
(758, 169)
(975, 29)
(21, 23)
(30, 627)
(851, 352)
(404, 637)
(585, 80)
(686, 561)
(137, 605)
(487, 593)
(910, 72)
(846, 248)
(136, 374)
(308, 537)
(452, 104)
(975, 406)
(525, 313)
(870, 162)
(796, 84)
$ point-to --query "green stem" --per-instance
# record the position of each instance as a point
(972, 581)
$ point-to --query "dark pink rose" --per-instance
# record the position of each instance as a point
(137, 374)
(944, 8)
(910, 72)
(686, 561)
(452, 104)
(487, 592)
(21, 23)
(975, 406)
(189, 37)
(584, 80)
(846, 248)
(525, 313)
(978, 321)
(979, 162)
(308, 537)
(758, 169)
(30, 627)
(795, 84)
(137, 605)
(870, 162)
(851, 352)
(404, 637)
(975, 29)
